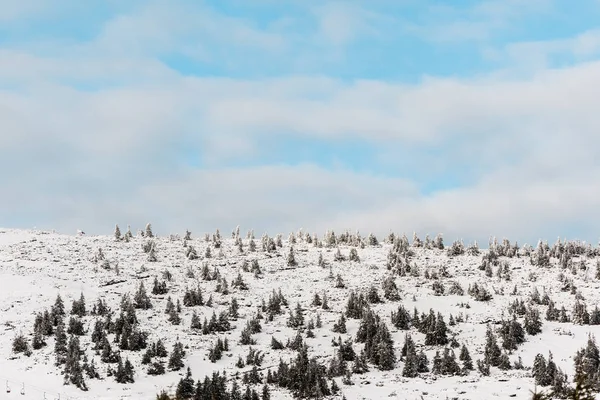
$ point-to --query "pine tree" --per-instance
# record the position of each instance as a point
(533, 322)
(78, 307)
(195, 323)
(401, 318)
(539, 369)
(291, 258)
(266, 394)
(20, 344)
(422, 362)
(117, 232)
(410, 358)
(38, 339)
(449, 364)
(437, 363)
(353, 256)
(504, 363)
(73, 370)
(584, 389)
(60, 343)
(128, 234)
(340, 325)
(149, 231)
(185, 387)
(492, 352)
(141, 299)
(465, 357)
(152, 254)
(129, 371)
(176, 359)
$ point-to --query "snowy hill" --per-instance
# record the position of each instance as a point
(36, 266)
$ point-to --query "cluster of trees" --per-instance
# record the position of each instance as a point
(306, 377)
(123, 331)
(586, 377)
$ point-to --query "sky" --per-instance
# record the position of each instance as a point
(467, 118)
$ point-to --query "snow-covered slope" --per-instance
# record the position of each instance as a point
(37, 266)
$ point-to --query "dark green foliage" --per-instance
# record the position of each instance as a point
(58, 310)
(360, 364)
(316, 301)
(193, 297)
(340, 325)
(159, 288)
(195, 322)
(437, 332)
(356, 306)
(90, 369)
(125, 372)
(373, 296)
(73, 370)
(186, 388)
(60, 343)
(401, 318)
(378, 341)
(20, 345)
(38, 340)
(239, 283)
(296, 343)
(75, 327)
(305, 377)
(484, 367)
(234, 309)
(479, 293)
(107, 355)
(156, 368)
(533, 321)
(276, 344)
(275, 303)
(492, 351)
(216, 351)
(449, 365)
(220, 324)
(78, 307)
(512, 334)
(176, 359)
(141, 299)
(504, 363)
(466, 359)
(296, 319)
(587, 363)
(254, 357)
(339, 282)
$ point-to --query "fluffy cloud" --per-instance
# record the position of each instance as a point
(109, 133)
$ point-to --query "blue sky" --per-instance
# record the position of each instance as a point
(380, 115)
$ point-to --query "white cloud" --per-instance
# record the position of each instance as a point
(86, 158)
(543, 54)
(342, 22)
(163, 28)
(476, 22)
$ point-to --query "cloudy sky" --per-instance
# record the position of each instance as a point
(470, 118)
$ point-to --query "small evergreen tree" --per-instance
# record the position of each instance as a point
(176, 359)
(149, 233)
(186, 388)
(291, 258)
(141, 299)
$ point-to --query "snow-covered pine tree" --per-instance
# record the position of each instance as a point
(149, 231)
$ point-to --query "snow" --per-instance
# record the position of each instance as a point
(35, 266)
